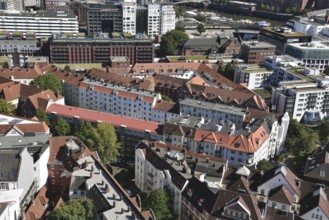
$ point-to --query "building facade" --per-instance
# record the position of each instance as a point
(129, 18)
(138, 48)
(255, 52)
(43, 23)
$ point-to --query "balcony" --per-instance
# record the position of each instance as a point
(150, 182)
(150, 174)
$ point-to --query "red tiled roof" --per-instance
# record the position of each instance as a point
(164, 67)
(21, 73)
(38, 207)
(40, 100)
(18, 91)
(115, 120)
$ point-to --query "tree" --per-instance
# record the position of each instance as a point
(88, 134)
(74, 210)
(180, 28)
(201, 28)
(262, 6)
(6, 107)
(166, 98)
(42, 116)
(5, 65)
(301, 140)
(326, 70)
(288, 11)
(201, 18)
(293, 11)
(67, 68)
(172, 42)
(158, 200)
(48, 81)
(108, 147)
(102, 138)
(323, 132)
(265, 165)
(62, 127)
(229, 71)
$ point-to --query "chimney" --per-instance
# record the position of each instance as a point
(122, 210)
(113, 204)
(326, 18)
(107, 188)
(102, 182)
(91, 174)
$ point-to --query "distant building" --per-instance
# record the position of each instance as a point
(99, 49)
(255, 52)
(43, 23)
(12, 5)
(253, 76)
(314, 54)
(317, 166)
(10, 208)
(281, 36)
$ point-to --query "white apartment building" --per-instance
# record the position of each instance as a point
(153, 19)
(214, 111)
(129, 17)
(307, 26)
(43, 23)
(120, 100)
(10, 208)
(168, 18)
(303, 93)
(160, 19)
(252, 76)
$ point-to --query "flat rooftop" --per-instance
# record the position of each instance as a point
(315, 45)
(289, 34)
(213, 106)
(38, 14)
(258, 44)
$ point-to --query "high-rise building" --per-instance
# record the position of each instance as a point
(129, 17)
(153, 19)
(102, 17)
(168, 16)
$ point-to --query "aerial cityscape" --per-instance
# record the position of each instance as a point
(164, 110)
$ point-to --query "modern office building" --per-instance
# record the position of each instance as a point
(100, 49)
(313, 55)
(103, 17)
(43, 23)
(281, 36)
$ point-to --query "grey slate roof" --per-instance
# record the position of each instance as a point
(9, 164)
(204, 44)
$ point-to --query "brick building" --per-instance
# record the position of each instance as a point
(255, 52)
(65, 49)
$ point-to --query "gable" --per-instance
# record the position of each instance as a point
(14, 132)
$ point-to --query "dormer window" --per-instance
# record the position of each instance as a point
(189, 192)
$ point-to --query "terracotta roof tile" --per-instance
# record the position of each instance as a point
(115, 120)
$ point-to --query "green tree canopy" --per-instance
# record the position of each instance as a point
(62, 127)
(201, 18)
(76, 209)
(67, 68)
(265, 165)
(101, 138)
(172, 42)
(6, 65)
(229, 71)
(158, 200)
(201, 28)
(42, 116)
(48, 81)
(180, 28)
(301, 140)
(323, 131)
(6, 107)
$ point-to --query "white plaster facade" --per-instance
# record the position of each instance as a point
(129, 17)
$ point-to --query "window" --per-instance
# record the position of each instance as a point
(75, 192)
(273, 204)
